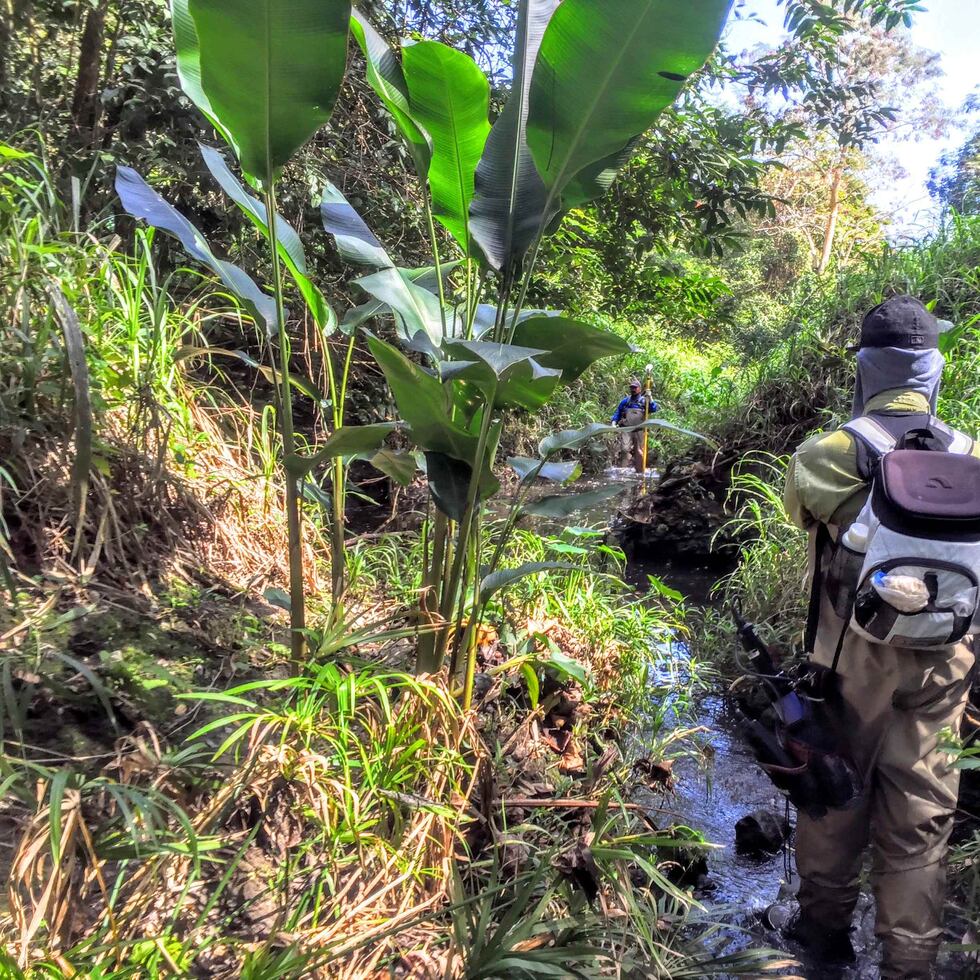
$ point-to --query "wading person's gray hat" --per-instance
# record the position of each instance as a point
(902, 321)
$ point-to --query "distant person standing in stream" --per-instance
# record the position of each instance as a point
(896, 695)
(634, 409)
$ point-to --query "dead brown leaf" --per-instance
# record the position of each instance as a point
(578, 865)
(657, 772)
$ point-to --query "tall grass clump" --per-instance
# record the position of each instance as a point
(769, 578)
(152, 444)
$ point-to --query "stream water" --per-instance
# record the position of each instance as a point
(712, 799)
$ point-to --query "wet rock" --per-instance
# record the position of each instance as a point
(656, 772)
(482, 684)
(760, 833)
(688, 866)
(706, 884)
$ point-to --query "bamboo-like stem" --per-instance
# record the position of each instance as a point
(473, 629)
(452, 593)
(525, 283)
(429, 601)
(426, 197)
(337, 544)
(338, 479)
(469, 568)
(294, 527)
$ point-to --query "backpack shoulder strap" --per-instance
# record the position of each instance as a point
(823, 540)
(873, 441)
(959, 442)
(872, 433)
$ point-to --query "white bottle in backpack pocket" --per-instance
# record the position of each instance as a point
(919, 584)
(857, 536)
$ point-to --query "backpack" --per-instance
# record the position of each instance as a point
(917, 584)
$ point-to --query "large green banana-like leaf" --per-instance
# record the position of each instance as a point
(189, 65)
(425, 278)
(142, 201)
(510, 374)
(415, 309)
(348, 440)
(449, 98)
(384, 74)
(266, 71)
(290, 246)
(576, 438)
(501, 359)
(355, 241)
(423, 404)
(450, 448)
(537, 469)
(496, 581)
(507, 211)
(605, 71)
(569, 345)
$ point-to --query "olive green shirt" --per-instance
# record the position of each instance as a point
(822, 483)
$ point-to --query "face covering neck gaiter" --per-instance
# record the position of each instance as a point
(886, 368)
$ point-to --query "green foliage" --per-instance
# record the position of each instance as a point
(509, 203)
(265, 73)
(774, 550)
(385, 76)
(130, 325)
(448, 99)
(956, 180)
(142, 201)
(365, 771)
(604, 74)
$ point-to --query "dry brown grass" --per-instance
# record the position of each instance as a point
(281, 799)
(147, 517)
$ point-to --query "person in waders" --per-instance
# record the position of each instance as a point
(634, 409)
(896, 624)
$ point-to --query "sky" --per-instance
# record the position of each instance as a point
(949, 27)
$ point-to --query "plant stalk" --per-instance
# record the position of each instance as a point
(294, 531)
(426, 197)
(452, 592)
(425, 661)
(338, 480)
(337, 544)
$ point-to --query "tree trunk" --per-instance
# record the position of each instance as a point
(831, 228)
(85, 101)
(6, 35)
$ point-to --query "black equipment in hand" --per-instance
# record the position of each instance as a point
(790, 722)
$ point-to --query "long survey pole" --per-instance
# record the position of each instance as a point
(648, 392)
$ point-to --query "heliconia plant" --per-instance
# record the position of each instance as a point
(266, 74)
(589, 78)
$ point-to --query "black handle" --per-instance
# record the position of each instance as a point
(752, 643)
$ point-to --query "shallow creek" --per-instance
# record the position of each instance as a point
(711, 799)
